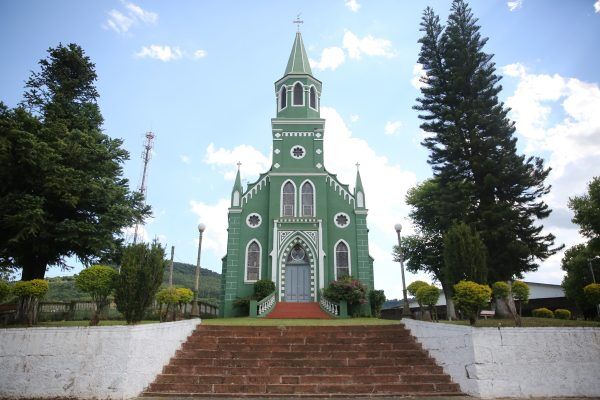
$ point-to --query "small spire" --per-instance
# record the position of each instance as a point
(238, 181)
(358, 188)
(298, 62)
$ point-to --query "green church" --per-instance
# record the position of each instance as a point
(297, 225)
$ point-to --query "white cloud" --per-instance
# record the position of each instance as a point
(199, 54)
(159, 52)
(597, 6)
(214, 216)
(354, 6)
(418, 74)
(392, 127)
(368, 45)
(121, 22)
(253, 161)
(354, 118)
(185, 159)
(118, 22)
(558, 116)
(331, 58)
(138, 12)
(514, 5)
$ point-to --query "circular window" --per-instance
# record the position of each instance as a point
(297, 253)
(297, 152)
(341, 220)
(254, 220)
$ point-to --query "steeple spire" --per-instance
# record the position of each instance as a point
(359, 192)
(298, 61)
(237, 191)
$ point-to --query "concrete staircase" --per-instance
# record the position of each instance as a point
(318, 361)
(284, 310)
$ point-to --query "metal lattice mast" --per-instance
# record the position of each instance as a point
(146, 156)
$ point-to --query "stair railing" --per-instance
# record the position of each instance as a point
(336, 310)
(261, 308)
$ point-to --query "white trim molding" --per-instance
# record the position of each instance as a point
(253, 215)
(294, 147)
(294, 94)
(259, 260)
(341, 214)
(314, 199)
(281, 199)
(335, 258)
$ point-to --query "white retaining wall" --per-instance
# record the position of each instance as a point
(114, 362)
(515, 362)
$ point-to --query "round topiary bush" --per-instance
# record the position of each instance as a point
(30, 293)
(592, 293)
(470, 297)
(561, 313)
(500, 290)
(542, 313)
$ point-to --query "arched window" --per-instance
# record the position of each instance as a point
(308, 197)
(288, 199)
(360, 200)
(283, 98)
(236, 199)
(298, 94)
(253, 261)
(313, 98)
(342, 260)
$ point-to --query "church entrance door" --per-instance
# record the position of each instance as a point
(297, 280)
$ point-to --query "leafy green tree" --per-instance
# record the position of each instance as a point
(170, 298)
(62, 192)
(470, 298)
(520, 292)
(502, 293)
(99, 282)
(29, 293)
(413, 288)
(376, 299)
(5, 291)
(429, 296)
(592, 293)
(578, 275)
(141, 274)
(587, 213)
(464, 255)
(473, 148)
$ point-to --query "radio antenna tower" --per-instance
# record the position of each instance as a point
(146, 156)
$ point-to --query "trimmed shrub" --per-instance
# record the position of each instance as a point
(500, 290)
(470, 297)
(30, 293)
(542, 313)
(376, 298)
(99, 282)
(520, 292)
(561, 313)
(592, 293)
(173, 298)
(429, 296)
(263, 288)
(5, 291)
(414, 286)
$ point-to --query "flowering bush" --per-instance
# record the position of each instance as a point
(347, 288)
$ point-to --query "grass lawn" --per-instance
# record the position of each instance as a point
(58, 324)
(527, 322)
(247, 321)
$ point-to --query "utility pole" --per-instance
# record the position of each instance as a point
(171, 267)
(146, 156)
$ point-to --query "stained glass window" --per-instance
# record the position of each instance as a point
(298, 94)
(313, 97)
(341, 260)
(307, 200)
(253, 264)
(288, 200)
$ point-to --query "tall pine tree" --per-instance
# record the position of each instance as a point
(473, 148)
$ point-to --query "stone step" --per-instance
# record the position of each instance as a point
(301, 347)
(310, 340)
(297, 371)
(262, 363)
(299, 355)
(305, 389)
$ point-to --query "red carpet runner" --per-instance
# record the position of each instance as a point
(298, 310)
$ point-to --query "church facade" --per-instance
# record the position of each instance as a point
(297, 225)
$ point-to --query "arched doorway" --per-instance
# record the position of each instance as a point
(297, 275)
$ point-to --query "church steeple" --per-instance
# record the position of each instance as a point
(237, 191)
(359, 192)
(298, 62)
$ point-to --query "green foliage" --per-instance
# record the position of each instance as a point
(63, 193)
(464, 255)
(587, 212)
(263, 288)
(5, 291)
(520, 291)
(542, 313)
(481, 178)
(500, 290)
(576, 265)
(141, 274)
(347, 288)
(167, 296)
(470, 298)
(184, 275)
(561, 313)
(592, 293)
(415, 286)
(376, 298)
(184, 295)
(428, 295)
(98, 281)
(36, 288)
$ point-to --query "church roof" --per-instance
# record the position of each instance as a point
(298, 61)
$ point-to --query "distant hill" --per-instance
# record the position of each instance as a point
(62, 288)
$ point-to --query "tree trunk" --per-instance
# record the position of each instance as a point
(450, 310)
(510, 303)
(27, 310)
(502, 309)
(33, 268)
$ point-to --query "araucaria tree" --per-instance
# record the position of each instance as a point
(62, 192)
(473, 148)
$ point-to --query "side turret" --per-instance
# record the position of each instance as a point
(359, 192)
(236, 193)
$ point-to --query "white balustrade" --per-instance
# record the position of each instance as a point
(330, 307)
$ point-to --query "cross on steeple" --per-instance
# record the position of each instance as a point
(357, 165)
(298, 21)
(239, 164)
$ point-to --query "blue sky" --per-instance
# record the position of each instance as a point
(200, 75)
